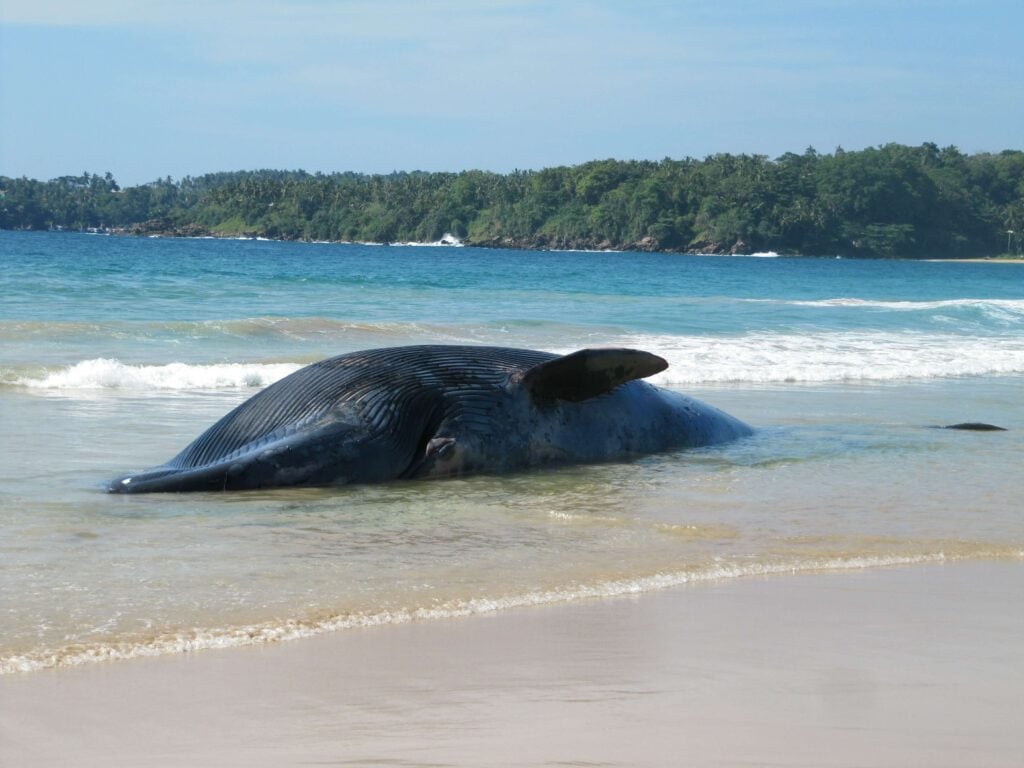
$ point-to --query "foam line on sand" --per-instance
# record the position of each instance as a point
(919, 665)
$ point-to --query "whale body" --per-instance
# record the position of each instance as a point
(439, 411)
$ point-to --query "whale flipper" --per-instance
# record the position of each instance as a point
(589, 373)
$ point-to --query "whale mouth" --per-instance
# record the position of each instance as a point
(141, 481)
(138, 482)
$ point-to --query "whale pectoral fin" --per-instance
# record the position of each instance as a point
(589, 373)
(439, 458)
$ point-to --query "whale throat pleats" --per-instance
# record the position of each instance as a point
(589, 373)
(381, 392)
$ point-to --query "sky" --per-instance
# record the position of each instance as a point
(146, 89)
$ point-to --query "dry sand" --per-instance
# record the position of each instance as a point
(902, 667)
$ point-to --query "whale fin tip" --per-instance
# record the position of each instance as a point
(589, 372)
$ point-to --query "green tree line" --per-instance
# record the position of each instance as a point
(887, 201)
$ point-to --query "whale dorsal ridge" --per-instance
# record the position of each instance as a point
(589, 373)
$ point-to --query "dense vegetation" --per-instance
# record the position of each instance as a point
(889, 201)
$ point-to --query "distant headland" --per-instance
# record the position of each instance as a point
(891, 201)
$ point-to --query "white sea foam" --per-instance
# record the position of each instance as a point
(758, 358)
(197, 640)
(103, 373)
(447, 240)
(1011, 306)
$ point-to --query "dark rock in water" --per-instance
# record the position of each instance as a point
(976, 426)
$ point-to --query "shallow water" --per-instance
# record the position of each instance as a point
(116, 352)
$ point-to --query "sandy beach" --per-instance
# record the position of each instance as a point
(893, 667)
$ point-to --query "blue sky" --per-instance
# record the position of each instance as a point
(148, 88)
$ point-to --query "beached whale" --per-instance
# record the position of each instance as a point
(439, 411)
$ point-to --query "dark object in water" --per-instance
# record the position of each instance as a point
(439, 411)
(975, 426)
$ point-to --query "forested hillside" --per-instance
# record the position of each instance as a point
(889, 201)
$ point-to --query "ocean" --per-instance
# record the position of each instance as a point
(116, 352)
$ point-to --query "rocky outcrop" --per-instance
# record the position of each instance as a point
(164, 227)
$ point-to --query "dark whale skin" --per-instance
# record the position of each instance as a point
(439, 411)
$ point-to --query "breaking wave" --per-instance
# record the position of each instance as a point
(755, 358)
(103, 373)
(765, 358)
(999, 309)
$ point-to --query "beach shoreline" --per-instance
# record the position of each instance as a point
(980, 260)
(450, 241)
(913, 665)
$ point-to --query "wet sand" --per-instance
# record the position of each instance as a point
(919, 666)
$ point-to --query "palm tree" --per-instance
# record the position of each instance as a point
(1013, 220)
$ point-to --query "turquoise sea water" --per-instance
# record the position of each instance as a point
(116, 352)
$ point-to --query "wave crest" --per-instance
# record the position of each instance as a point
(996, 309)
(104, 373)
(767, 358)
